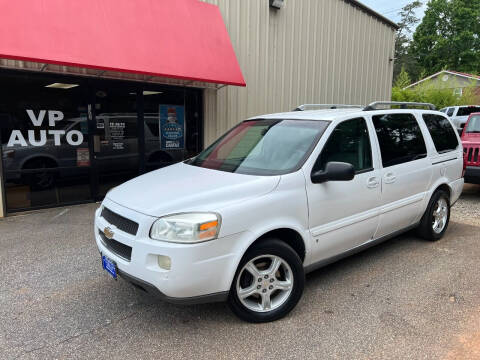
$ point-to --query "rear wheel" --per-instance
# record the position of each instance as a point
(435, 221)
(268, 283)
(42, 174)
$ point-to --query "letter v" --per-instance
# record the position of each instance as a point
(35, 121)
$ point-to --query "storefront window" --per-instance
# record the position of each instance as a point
(70, 139)
(172, 126)
(44, 133)
(164, 115)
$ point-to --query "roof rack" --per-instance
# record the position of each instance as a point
(305, 107)
(402, 105)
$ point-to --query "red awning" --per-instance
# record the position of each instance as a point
(182, 39)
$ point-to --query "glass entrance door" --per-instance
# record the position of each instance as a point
(115, 136)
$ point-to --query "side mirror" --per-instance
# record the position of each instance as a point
(334, 171)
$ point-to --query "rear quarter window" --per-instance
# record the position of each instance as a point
(400, 138)
(442, 132)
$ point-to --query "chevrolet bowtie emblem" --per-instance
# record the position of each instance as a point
(108, 233)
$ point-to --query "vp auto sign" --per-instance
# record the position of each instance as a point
(73, 137)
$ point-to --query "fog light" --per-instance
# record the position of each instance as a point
(164, 262)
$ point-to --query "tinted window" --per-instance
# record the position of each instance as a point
(450, 111)
(349, 143)
(400, 138)
(467, 110)
(442, 132)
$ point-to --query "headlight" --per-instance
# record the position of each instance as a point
(186, 228)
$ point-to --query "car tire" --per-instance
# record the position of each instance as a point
(268, 283)
(435, 221)
(43, 178)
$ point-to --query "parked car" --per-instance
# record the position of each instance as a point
(471, 149)
(279, 196)
(115, 148)
(460, 114)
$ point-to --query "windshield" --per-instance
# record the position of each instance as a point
(473, 125)
(263, 147)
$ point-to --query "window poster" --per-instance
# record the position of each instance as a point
(117, 133)
(83, 157)
(172, 126)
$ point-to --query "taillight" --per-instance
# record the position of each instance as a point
(465, 153)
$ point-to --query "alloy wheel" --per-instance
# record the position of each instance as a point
(440, 215)
(264, 283)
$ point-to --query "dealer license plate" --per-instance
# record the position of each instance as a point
(109, 266)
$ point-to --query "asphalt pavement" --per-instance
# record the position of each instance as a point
(403, 299)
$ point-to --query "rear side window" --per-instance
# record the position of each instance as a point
(467, 110)
(349, 143)
(450, 111)
(400, 138)
(442, 132)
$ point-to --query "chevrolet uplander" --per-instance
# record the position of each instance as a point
(278, 196)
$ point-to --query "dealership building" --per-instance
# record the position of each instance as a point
(94, 93)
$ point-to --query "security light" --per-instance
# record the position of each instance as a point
(277, 4)
(146, 92)
(61, 86)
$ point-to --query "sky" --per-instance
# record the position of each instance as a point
(391, 8)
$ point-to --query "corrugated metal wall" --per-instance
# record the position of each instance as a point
(310, 51)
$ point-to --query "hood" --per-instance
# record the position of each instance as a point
(471, 138)
(182, 188)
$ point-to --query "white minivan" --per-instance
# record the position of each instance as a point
(276, 197)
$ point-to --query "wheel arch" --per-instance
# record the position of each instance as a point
(440, 184)
(445, 187)
(288, 235)
(47, 157)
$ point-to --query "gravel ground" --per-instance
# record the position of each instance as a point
(404, 299)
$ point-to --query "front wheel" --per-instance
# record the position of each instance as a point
(435, 221)
(268, 283)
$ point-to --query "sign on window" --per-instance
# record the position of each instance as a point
(172, 127)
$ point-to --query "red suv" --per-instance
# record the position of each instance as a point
(471, 149)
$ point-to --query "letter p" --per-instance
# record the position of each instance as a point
(54, 116)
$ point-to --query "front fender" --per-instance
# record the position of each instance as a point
(284, 207)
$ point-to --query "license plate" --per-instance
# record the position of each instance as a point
(109, 266)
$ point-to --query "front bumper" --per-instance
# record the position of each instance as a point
(199, 272)
(472, 175)
(153, 291)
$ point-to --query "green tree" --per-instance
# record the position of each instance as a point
(403, 79)
(449, 36)
(404, 59)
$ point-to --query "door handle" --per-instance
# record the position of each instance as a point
(372, 182)
(390, 178)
